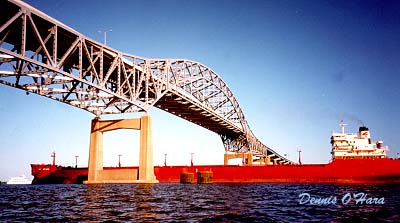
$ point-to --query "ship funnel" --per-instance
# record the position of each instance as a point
(363, 133)
(379, 144)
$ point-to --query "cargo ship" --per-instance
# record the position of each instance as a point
(355, 159)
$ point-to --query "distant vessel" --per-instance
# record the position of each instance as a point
(19, 180)
(355, 159)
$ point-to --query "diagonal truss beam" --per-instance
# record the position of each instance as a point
(41, 55)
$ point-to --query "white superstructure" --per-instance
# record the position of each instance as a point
(19, 180)
(356, 146)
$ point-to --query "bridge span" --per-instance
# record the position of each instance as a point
(41, 55)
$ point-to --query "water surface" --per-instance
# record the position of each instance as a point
(198, 203)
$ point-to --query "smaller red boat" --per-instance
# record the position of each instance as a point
(355, 159)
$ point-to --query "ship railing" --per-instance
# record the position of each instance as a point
(371, 148)
(365, 148)
(385, 148)
(360, 155)
(338, 147)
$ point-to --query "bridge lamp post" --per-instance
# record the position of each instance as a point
(105, 35)
(165, 159)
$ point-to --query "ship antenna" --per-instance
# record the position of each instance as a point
(342, 125)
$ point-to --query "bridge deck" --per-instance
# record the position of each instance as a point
(43, 56)
(176, 105)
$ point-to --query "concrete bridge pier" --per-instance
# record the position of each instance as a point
(96, 173)
(146, 168)
(267, 160)
(247, 156)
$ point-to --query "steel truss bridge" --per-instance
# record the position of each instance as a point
(41, 55)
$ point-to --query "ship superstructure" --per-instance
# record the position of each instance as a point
(356, 146)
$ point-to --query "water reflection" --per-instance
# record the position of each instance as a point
(124, 202)
(145, 202)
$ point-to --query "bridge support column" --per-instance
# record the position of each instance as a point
(228, 156)
(267, 160)
(95, 151)
(226, 159)
(244, 156)
(146, 168)
(249, 159)
(96, 173)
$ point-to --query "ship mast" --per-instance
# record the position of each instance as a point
(76, 161)
(342, 125)
(53, 155)
(299, 151)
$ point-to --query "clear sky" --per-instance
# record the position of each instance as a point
(296, 68)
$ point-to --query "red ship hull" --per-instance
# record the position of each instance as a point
(340, 171)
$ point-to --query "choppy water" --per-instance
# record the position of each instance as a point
(197, 203)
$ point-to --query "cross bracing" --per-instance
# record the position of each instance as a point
(41, 55)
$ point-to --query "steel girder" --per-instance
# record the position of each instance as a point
(200, 84)
(41, 55)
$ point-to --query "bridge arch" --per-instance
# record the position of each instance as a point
(40, 55)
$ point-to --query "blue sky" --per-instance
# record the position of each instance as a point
(296, 67)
